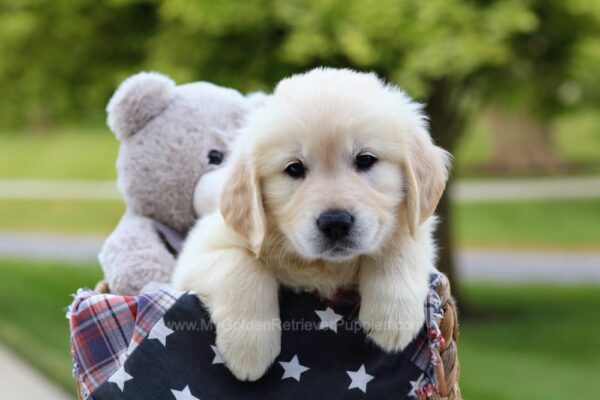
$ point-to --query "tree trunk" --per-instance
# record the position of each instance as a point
(522, 143)
(446, 125)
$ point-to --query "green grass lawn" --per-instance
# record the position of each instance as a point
(533, 342)
(68, 153)
(569, 224)
(33, 297)
(60, 216)
(576, 136)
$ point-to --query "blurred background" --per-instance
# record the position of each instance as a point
(512, 89)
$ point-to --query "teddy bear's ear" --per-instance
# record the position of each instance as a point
(140, 98)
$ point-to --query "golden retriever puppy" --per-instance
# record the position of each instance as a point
(333, 184)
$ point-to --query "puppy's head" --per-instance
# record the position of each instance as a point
(335, 161)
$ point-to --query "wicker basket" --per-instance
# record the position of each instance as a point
(448, 372)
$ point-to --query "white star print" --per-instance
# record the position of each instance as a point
(293, 369)
(218, 359)
(120, 377)
(415, 385)
(359, 378)
(160, 332)
(329, 319)
(184, 394)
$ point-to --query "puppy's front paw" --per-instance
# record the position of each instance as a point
(248, 349)
(393, 327)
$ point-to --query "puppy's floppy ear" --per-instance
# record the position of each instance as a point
(426, 170)
(241, 203)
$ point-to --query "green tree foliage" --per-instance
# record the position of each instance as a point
(61, 59)
(410, 42)
(551, 66)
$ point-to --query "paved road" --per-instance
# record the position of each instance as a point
(529, 266)
(19, 381)
(473, 265)
(463, 190)
(67, 248)
(526, 189)
(32, 189)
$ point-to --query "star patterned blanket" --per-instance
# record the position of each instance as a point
(161, 345)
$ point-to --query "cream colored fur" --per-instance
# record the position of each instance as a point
(265, 234)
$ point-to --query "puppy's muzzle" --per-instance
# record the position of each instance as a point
(335, 224)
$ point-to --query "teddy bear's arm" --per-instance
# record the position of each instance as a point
(134, 255)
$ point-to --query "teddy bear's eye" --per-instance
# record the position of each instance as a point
(215, 157)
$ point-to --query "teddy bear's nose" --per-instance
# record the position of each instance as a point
(215, 157)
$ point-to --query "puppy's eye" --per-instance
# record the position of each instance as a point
(364, 162)
(295, 170)
(215, 157)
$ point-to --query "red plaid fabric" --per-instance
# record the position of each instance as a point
(106, 328)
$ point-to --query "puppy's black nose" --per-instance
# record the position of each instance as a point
(335, 224)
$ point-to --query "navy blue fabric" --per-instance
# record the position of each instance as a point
(187, 359)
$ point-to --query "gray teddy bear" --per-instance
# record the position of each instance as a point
(170, 137)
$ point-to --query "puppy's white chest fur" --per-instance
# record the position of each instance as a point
(322, 276)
